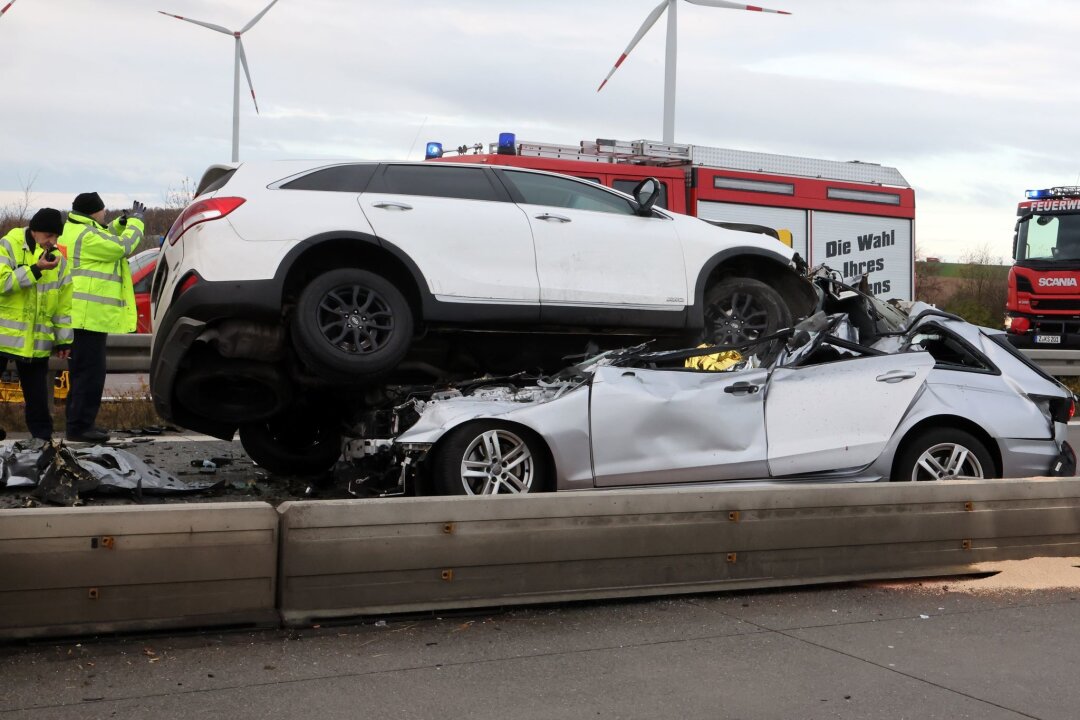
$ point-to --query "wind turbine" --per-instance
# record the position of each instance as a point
(672, 44)
(5, 8)
(241, 59)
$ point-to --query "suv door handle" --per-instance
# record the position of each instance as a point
(549, 216)
(896, 376)
(393, 205)
(742, 388)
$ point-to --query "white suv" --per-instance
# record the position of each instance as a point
(286, 289)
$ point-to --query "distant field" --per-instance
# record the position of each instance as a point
(948, 270)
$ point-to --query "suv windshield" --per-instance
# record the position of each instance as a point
(1051, 237)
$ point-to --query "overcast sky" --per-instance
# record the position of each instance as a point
(973, 101)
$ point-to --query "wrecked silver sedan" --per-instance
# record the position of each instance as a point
(859, 391)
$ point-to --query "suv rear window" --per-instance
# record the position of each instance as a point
(340, 178)
(437, 181)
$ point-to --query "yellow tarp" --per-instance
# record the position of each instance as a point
(717, 362)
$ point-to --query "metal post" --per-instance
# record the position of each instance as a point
(236, 105)
(669, 72)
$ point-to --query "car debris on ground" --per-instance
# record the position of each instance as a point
(58, 474)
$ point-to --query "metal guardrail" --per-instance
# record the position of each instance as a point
(350, 558)
(76, 571)
(124, 354)
(1059, 363)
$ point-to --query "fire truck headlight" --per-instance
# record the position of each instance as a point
(434, 150)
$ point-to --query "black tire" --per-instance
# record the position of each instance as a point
(529, 475)
(351, 324)
(938, 442)
(740, 310)
(293, 444)
(233, 391)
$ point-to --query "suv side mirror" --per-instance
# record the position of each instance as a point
(646, 194)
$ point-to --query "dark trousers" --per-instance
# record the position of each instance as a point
(87, 368)
(34, 377)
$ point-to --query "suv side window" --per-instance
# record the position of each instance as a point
(435, 180)
(340, 178)
(536, 189)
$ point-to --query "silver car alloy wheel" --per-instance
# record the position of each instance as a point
(497, 461)
(947, 461)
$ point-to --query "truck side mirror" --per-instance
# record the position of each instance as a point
(646, 194)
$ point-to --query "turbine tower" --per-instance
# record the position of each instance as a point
(672, 45)
(240, 59)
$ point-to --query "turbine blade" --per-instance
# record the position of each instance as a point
(258, 17)
(5, 8)
(247, 73)
(736, 6)
(645, 27)
(218, 28)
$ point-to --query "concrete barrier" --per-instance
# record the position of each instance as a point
(361, 557)
(78, 571)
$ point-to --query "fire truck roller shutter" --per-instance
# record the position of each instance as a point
(856, 244)
(788, 219)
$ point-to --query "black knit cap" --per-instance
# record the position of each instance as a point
(87, 203)
(48, 220)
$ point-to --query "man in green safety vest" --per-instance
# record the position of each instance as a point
(35, 311)
(102, 302)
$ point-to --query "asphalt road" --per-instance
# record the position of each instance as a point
(851, 651)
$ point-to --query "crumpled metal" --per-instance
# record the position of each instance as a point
(63, 476)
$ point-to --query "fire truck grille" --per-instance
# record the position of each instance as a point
(1055, 304)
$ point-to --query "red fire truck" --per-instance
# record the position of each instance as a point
(855, 217)
(1043, 305)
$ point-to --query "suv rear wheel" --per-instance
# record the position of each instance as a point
(352, 324)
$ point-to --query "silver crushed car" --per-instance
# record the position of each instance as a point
(859, 391)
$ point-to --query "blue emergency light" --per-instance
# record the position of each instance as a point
(434, 150)
(507, 144)
(1037, 194)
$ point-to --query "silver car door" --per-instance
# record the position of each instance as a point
(840, 414)
(670, 426)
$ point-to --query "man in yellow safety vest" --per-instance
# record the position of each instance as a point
(35, 311)
(102, 302)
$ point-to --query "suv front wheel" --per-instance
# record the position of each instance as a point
(351, 324)
(740, 310)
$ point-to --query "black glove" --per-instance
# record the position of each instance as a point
(137, 210)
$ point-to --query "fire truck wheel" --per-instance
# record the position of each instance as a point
(741, 310)
(351, 324)
(292, 444)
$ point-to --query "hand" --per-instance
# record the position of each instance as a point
(63, 353)
(44, 263)
(137, 209)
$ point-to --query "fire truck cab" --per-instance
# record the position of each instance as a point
(855, 217)
(1043, 304)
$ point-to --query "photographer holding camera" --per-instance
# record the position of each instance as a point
(102, 302)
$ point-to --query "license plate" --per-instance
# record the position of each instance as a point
(1048, 339)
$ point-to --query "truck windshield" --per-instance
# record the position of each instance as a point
(1049, 238)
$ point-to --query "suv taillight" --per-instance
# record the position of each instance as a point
(200, 212)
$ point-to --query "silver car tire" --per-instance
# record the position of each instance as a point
(487, 457)
(943, 454)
